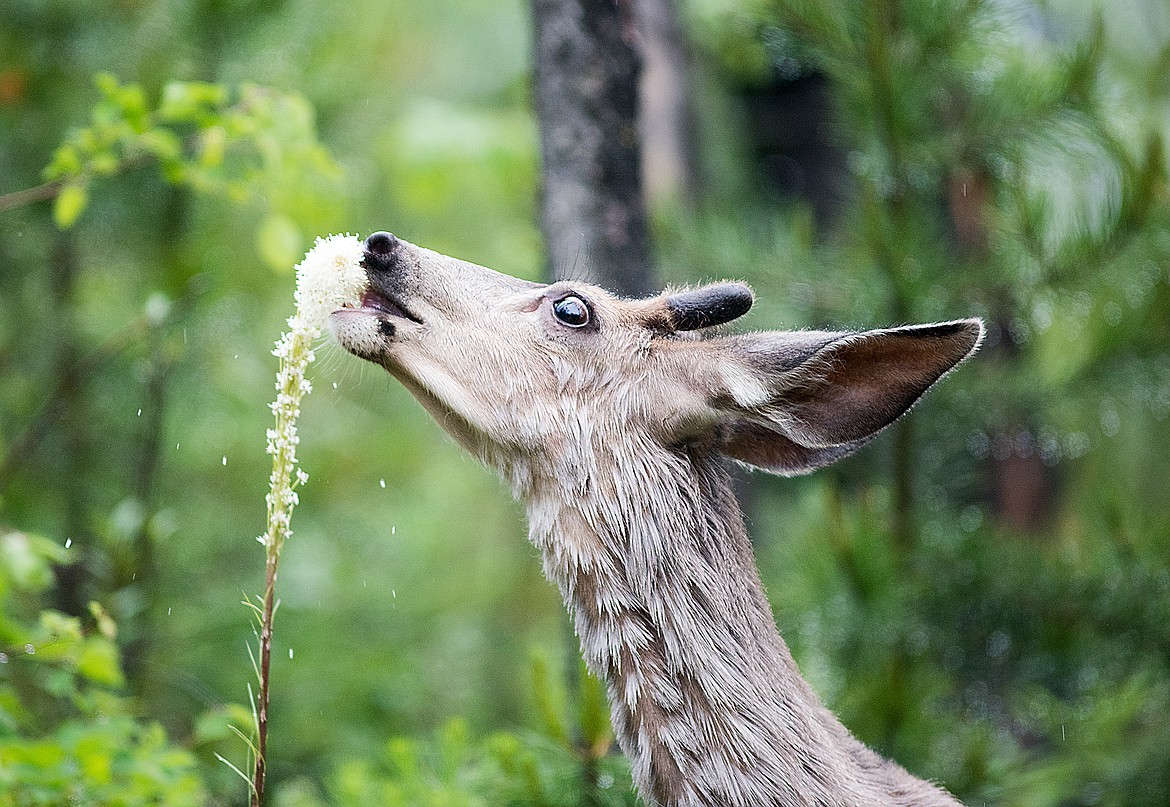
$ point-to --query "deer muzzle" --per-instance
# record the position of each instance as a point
(384, 294)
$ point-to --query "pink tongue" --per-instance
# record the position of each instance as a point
(379, 302)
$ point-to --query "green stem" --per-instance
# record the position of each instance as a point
(281, 501)
(269, 613)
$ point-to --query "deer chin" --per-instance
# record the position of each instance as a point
(369, 328)
(366, 333)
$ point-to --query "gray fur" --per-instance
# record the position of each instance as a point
(616, 439)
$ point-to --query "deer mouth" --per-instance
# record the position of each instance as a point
(379, 304)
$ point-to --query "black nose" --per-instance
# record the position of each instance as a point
(381, 243)
(380, 248)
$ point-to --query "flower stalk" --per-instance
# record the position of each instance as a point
(329, 276)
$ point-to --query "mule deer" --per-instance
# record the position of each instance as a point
(611, 420)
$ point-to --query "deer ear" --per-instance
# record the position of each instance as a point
(794, 402)
(768, 449)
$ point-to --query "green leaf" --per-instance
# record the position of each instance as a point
(59, 636)
(595, 728)
(217, 724)
(212, 145)
(403, 756)
(191, 101)
(132, 101)
(66, 162)
(176, 172)
(107, 83)
(95, 757)
(104, 163)
(549, 701)
(454, 744)
(105, 623)
(162, 143)
(26, 560)
(69, 204)
(98, 661)
(13, 712)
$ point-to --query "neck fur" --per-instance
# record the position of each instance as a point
(651, 556)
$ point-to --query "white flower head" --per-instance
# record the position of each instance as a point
(330, 275)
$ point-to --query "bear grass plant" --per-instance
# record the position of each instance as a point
(329, 276)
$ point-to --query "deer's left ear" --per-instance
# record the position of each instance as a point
(793, 402)
(707, 306)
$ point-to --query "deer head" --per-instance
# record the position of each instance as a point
(516, 370)
(610, 418)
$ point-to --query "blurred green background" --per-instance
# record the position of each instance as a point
(983, 594)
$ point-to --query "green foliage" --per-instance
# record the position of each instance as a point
(567, 764)
(445, 771)
(248, 145)
(45, 651)
(1007, 652)
(1016, 673)
(1004, 165)
(65, 734)
(113, 761)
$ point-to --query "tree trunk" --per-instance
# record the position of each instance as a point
(670, 166)
(586, 70)
(65, 420)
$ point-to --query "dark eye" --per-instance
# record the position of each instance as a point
(572, 311)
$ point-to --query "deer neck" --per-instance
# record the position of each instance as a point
(651, 556)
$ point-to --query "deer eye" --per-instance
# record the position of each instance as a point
(571, 311)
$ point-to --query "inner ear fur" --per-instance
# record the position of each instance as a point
(826, 395)
(771, 450)
(868, 381)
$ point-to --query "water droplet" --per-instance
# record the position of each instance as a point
(28, 648)
(1025, 444)
(1018, 331)
(290, 654)
(168, 612)
(393, 593)
(139, 413)
(68, 542)
(1050, 450)
(225, 459)
(363, 584)
(1001, 447)
(382, 482)
(3, 658)
(1077, 445)
(979, 445)
(334, 385)
(971, 518)
(1113, 313)
(393, 530)
(1110, 422)
(1042, 314)
(998, 643)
